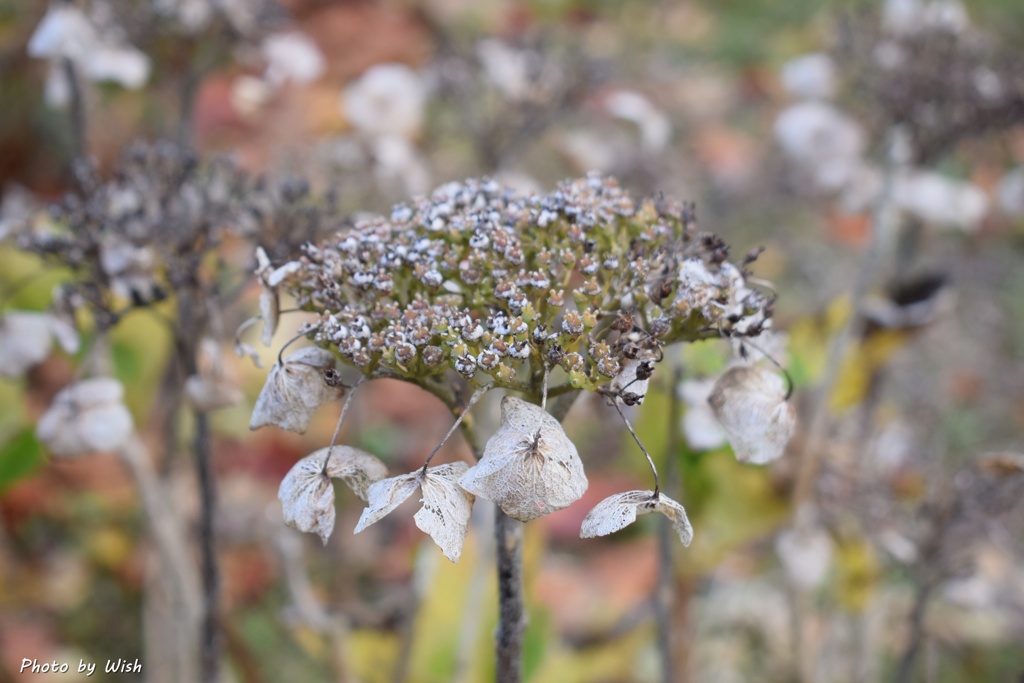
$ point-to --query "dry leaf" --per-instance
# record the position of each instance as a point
(294, 390)
(619, 511)
(529, 466)
(750, 402)
(86, 417)
(307, 494)
(446, 506)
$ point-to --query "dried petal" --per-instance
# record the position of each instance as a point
(701, 428)
(270, 301)
(619, 511)
(805, 555)
(294, 390)
(529, 467)
(750, 402)
(86, 417)
(307, 495)
(446, 506)
(385, 495)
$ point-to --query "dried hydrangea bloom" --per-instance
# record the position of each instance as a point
(446, 505)
(619, 511)
(307, 494)
(750, 402)
(270, 300)
(295, 388)
(86, 417)
(491, 284)
(529, 466)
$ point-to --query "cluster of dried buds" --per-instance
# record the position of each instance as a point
(163, 226)
(479, 285)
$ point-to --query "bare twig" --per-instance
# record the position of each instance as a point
(508, 535)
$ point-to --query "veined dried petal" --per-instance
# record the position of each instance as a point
(446, 506)
(619, 511)
(750, 402)
(294, 390)
(306, 492)
(86, 417)
(529, 466)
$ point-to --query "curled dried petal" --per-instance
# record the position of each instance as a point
(306, 492)
(619, 511)
(529, 466)
(750, 402)
(294, 389)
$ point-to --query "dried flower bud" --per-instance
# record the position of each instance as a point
(86, 417)
(446, 506)
(294, 390)
(632, 381)
(529, 466)
(619, 511)
(750, 402)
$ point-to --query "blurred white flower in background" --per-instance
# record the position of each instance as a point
(1010, 192)
(822, 140)
(291, 56)
(655, 128)
(506, 68)
(86, 417)
(701, 428)
(387, 100)
(810, 76)
(26, 339)
(99, 54)
(935, 198)
(907, 17)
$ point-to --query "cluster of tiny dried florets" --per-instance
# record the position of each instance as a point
(150, 229)
(498, 285)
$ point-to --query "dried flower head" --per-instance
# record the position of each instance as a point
(529, 466)
(307, 494)
(750, 402)
(619, 511)
(294, 389)
(446, 506)
(86, 417)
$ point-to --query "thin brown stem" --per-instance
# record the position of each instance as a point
(508, 534)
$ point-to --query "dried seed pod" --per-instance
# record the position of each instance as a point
(632, 381)
(295, 388)
(619, 511)
(446, 506)
(529, 466)
(750, 402)
(86, 417)
(307, 494)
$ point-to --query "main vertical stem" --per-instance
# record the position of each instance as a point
(508, 534)
(210, 634)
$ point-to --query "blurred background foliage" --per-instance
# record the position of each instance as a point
(916, 417)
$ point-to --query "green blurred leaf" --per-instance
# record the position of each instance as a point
(19, 458)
